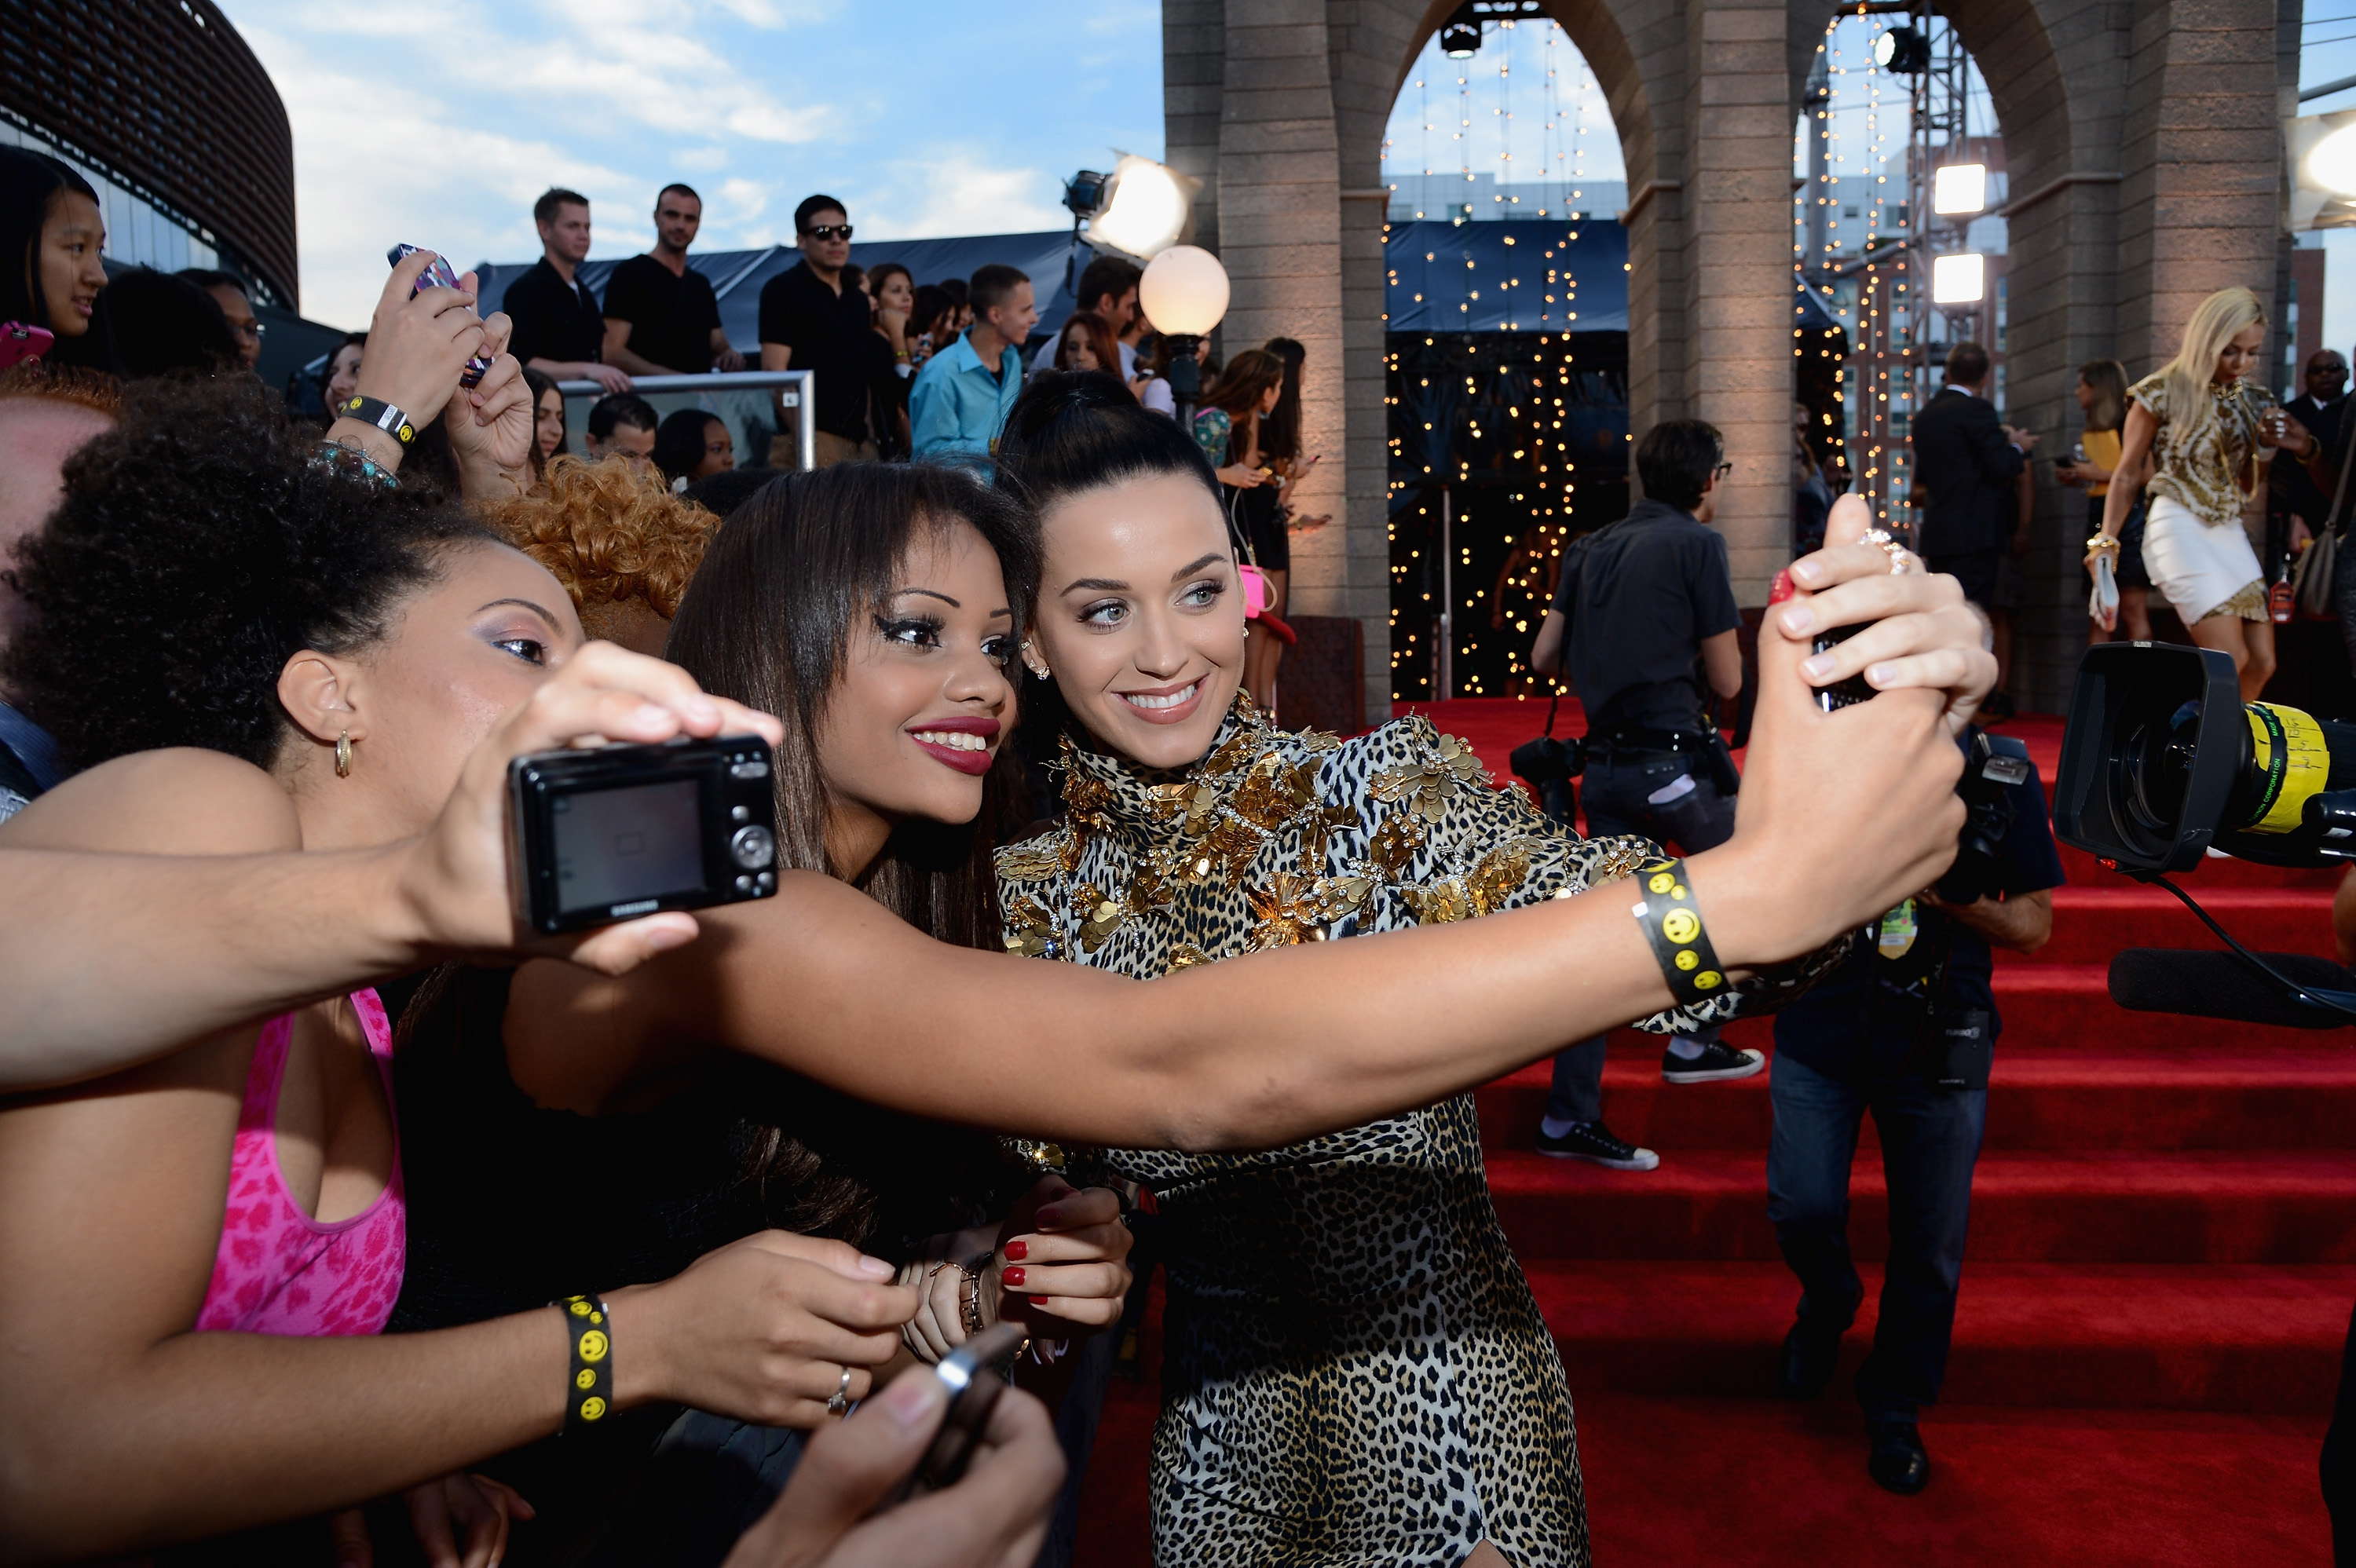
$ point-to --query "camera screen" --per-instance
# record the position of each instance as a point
(620, 845)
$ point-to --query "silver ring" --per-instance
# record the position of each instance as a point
(1902, 560)
(840, 1402)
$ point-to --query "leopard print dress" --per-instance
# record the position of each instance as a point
(1355, 1371)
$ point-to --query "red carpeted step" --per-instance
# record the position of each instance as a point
(2258, 1339)
(2091, 924)
(2287, 1096)
(1744, 1483)
(2042, 1207)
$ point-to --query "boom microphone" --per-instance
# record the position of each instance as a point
(2211, 985)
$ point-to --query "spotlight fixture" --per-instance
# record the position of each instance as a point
(1959, 190)
(1960, 279)
(1084, 193)
(1140, 208)
(1460, 39)
(1904, 51)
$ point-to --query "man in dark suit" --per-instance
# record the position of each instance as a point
(1967, 463)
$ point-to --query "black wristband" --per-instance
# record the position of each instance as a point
(1672, 923)
(380, 414)
(589, 1386)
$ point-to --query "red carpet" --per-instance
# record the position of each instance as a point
(2158, 1284)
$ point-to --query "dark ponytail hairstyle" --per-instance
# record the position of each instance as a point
(793, 575)
(1070, 431)
(195, 551)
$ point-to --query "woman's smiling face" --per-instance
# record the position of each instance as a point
(1141, 615)
(925, 696)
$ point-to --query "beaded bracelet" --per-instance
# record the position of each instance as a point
(351, 462)
(1672, 923)
(589, 1387)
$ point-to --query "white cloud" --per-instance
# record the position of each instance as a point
(437, 121)
(959, 194)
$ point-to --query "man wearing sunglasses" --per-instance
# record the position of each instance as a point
(811, 320)
(1644, 623)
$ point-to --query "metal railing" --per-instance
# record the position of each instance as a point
(796, 390)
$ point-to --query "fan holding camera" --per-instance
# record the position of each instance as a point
(1905, 1027)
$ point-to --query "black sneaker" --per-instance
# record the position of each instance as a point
(1593, 1140)
(1717, 1062)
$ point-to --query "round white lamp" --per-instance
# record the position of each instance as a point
(1184, 294)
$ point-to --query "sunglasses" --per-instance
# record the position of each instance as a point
(829, 231)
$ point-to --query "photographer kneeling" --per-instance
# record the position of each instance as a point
(1904, 1027)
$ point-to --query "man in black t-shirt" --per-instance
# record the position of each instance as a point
(661, 317)
(1875, 1034)
(559, 329)
(1644, 623)
(811, 320)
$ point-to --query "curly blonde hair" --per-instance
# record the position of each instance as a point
(610, 532)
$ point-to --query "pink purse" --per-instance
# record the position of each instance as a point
(1260, 595)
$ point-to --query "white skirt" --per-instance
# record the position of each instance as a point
(2203, 571)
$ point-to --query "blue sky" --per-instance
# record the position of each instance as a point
(437, 121)
(2327, 54)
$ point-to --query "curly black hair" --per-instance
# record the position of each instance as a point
(196, 550)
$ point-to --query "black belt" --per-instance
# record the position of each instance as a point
(1632, 742)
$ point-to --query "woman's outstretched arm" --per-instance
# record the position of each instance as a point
(1842, 815)
(117, 958)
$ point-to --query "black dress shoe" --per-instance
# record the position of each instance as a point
(1807, 1363)
(1898, 1461)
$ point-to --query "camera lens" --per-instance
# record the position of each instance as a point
(752, 848)
(2160, 768)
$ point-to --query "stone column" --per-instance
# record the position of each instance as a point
(2202, 160)
(1737, 221)
(1281, 237)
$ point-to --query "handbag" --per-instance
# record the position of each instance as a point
(2311, 586)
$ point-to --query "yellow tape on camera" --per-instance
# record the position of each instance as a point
(2291, 753)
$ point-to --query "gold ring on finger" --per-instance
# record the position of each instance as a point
(840, 1403)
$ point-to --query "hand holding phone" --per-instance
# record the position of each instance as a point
(438, 275)
(19, 341)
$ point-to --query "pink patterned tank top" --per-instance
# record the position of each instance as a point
(279, 1271)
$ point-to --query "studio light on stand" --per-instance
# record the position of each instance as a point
(1960, 279)
(1184, 294)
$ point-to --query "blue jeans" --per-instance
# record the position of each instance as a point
(1699, 819)
(1930, 1142)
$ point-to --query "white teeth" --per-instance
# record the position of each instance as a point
(954, 739)
(1184, 694)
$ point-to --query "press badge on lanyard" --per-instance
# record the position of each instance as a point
(1896, 932)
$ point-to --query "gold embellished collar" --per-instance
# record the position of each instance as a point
(1107, 794)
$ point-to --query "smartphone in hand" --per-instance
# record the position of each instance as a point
(438, 275)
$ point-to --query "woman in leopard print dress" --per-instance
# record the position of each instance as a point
(1354, 1369)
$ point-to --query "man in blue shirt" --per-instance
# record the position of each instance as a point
(961, 397)
(1904, 1027)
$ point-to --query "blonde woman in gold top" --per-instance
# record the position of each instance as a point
(2208, 434)
(1355, 1370)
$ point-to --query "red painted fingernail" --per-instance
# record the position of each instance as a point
(1038, 1301)
(1782, 589)
(1016, 1250)
(1014, 1277)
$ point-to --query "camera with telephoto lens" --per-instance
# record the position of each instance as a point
(623, 831)
(2162, 761)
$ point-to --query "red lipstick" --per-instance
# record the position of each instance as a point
(975, 762)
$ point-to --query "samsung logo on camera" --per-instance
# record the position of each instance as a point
(622, 911)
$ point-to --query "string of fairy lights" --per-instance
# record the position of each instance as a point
(1535, 171)
(1861, 256)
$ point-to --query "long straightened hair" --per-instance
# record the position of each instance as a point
(793, 574)
(2108, 378)
(2216, 321)
(796, 572)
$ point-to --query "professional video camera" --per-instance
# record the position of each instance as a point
(2161, 762)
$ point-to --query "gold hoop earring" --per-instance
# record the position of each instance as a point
(344, 755)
